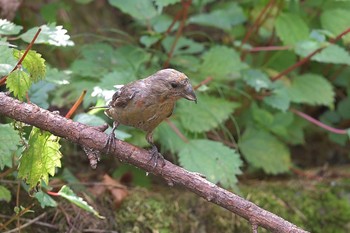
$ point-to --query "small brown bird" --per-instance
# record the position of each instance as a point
(145, 103)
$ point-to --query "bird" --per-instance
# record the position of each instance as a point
(145, 103)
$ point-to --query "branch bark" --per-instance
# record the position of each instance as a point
(93, 138)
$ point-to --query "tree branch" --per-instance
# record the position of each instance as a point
(93, 138)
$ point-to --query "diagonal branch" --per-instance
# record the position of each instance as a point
(93, 138)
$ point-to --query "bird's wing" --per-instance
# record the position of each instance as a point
(123, 96)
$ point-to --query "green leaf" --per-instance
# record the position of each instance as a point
(9, 28)
(331, 54)
(68, 194)
(311, 89)
(5, 194)
(141, 10)
(9, 141)
(7, 60)
(183, 45)
(168, 138)
(256, 79)
(50, 34)
(336, 21)
(149, 40)
(263, 150)
(343, 108)
(138, 176)
(221, 62)
(207, 114)
(33, 64)
(41, 158)
(225, 17)
(291, 28)
(39, 93)
(19, 83)
(163, 3)
(212, 159)
(45, 200)
(279, 98)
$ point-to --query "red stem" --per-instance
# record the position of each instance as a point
(255, 25)
(3, 80)
(52, 193)
(186, 5)
(318, 123)
(269, 48)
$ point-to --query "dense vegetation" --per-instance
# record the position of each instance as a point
(271, 78)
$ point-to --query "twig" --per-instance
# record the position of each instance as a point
(185, 4)
(19, 63)
(308, 57)
(17, 229)
(93, 138)
(76, 104)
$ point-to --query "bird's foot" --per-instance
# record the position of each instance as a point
(155, 156)
(110, 142)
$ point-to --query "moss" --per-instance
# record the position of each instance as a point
(314, 207)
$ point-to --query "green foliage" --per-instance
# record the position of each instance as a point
(41, 158)
(68, 194)
(5, 194)
(207, 114)
(221, 62)
(311, 89)
(263, 150)
(237, 54)
(50, 34)
(336, 21)
(224, 16)
(9, 142)
(45, 200)
(291, 28)
(9, 28)
(215, 161)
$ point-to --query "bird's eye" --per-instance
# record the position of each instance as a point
(174, 85)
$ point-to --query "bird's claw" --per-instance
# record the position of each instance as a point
(110, 142)
(155, 156)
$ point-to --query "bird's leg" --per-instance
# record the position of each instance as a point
(111, 137)
(155, 155)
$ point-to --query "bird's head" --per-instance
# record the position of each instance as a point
(175, 84)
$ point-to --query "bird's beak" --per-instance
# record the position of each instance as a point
(189, 93)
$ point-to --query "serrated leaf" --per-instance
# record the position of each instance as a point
(33, 64)
(291, 28)
(41, 158)
(224, 17)
(168, 138)
(9, 28)
(183, 45)
(5, 194)
(221, 62)
(50, 34)
(142, 10)
(207, 114)
(256, 79)
(9, 141)
(263, 150)
(311, 89)
(19, 83)
(45, 200)
(336, 21)
(331, 54)
(68, 194)
(216, 161)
